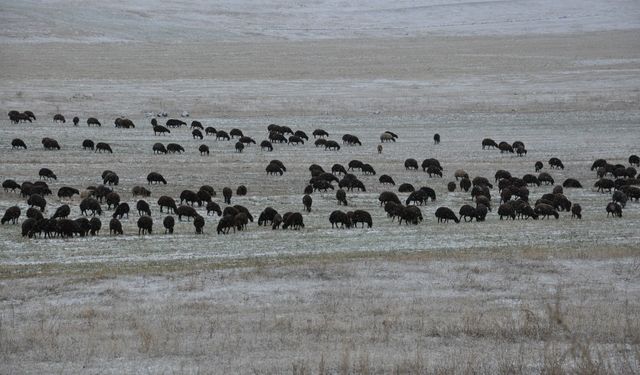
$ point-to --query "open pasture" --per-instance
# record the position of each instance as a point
(575, 138)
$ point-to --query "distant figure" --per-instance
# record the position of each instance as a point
(436, 139)
(379, 149)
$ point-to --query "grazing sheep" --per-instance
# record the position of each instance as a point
(332, 146)
(341, 197)
(307, 201)
(87, 144)
(546, 210)
(95, 225)
(37, 200)
(168, 202)
(266, 145)
(620, 197)
(227, 193)
(360, 216)
(186, 211)
(481, 212)
(222, 135)
(459, 173)
(320, 142)
(320, 133)
(410, 215)
(339, 219)
(538, 166)
(18, 143)
(110, 179)
(294, 221)
(406, 188)
(59, 118)
(90, 204)
(444, 214)
(175, 123)
(433, 170)
(121, 210)
(124, 123)
(295, 140)
(419, 197)
(502, 174)
(247, 140)
(155, 177)
(322, 185)
(168, 222)
(388, 196)
(225, 224)
(50, 144)
(173, 148)
(489, 143)
(451, 186)
(145, 225)
(93, 121)
(576, 211)
(11, 215)
(267, 216)
(239, 146)
(273, 169)
(236, 133)
(411, 164)
(76, 121)
(506, 210)
(436, 139)
(159, 129)
(196, 134)
(545, 178)
(103, 147)
(10, 184)
(143, 208)
(386, 179)
(614, 209)
(112, 199)
(338, 169)
(572, 183)
(505, 147)
(67, 192)
(29, 115)
(198, 223)
(46, 173)
(196, 125)
(634, 160)
(368, 169)
(241, 190)
(210, 131)
(213, 207)
(604, 184)
(387, 137)
(140, 191)
(467, 211)
(465, 184)
(158, 148)
(555, 163)
(351, 140)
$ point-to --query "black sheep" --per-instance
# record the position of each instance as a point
(168, 223)
(121, 210)
(11, 215)
(444, 214)
(143, 208)
(145, 225)
(115, 226)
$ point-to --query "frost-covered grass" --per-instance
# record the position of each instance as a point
(525, 312)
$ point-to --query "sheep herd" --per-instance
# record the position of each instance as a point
(622, 182)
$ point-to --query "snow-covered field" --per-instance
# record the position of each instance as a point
(493, 297)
